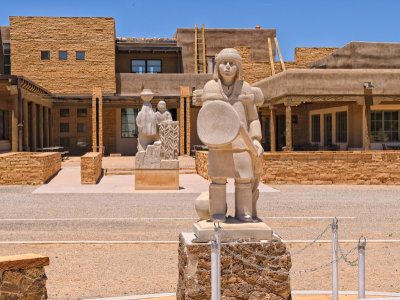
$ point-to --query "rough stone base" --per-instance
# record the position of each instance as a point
(239, 281)
(156, 179)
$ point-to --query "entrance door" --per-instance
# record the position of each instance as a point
(327, 129)
(280, 132)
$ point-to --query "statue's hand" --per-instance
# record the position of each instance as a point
(259, 148)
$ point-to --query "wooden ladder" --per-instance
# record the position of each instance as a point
(200, 64)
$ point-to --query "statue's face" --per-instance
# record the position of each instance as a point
(228, 68)
(161, 106)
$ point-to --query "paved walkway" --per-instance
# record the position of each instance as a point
(68, 181)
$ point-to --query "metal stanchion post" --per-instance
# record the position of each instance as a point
(215, 267)
(361, 267)
(335, 280)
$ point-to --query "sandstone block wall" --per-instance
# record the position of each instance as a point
(323, 167)
(373, 167)
(91, 167)
(238, 280)
(28, 168)
(96, 36)
(23, 277)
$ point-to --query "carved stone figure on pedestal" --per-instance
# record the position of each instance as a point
(228, 123)
(156, 164)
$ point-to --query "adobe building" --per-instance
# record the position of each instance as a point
(71, 82)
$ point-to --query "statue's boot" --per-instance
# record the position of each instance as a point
(218, 199)
(243, 200)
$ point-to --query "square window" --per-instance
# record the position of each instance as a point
(45, 55)
(62, 55)
(64, 127)
(154, 66)
(80, 55)
(64, 112)
(64, 142)
(138, 66)
(82, 112)
(81, 127)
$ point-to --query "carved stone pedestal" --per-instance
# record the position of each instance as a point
(157, 179)
(238, 279)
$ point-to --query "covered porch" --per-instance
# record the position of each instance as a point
(331, 110)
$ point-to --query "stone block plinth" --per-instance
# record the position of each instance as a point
(238, 279)
(156, 179)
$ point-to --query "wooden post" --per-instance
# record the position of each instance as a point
(34, 127)
(195, 48)
(184, 128)
(41, 127)
(367, 123)
(204, 48)
(280, 56)
(26, 125)
(46, 126)
(289, 146)
(271, 59)
(272, 128)
(187, 122)
(14, 125)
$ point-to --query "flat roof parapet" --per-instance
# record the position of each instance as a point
(143, 40)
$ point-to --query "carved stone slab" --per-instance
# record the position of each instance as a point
(169, 138)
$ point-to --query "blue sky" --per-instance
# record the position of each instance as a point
(301, 23)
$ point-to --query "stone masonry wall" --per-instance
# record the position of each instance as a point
(239, 281)
(28, 168)
(323, 167)
(373, 167)
(96, 36)
(91, 167)
(23, 277)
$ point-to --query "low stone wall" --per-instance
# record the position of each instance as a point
(23, 277)
(201, 159)
(323, 167)
(91, 167)
(361, 167)
(28, 168)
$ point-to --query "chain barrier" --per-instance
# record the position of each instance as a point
(239, 257)
(352, 263)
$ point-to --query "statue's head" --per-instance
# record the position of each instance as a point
(228, 64)
(161, 106)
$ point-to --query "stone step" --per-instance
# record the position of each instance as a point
(131, 171)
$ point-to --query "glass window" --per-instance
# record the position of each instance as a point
(128, 122)
(81, 142)
(138, 66)
(154, 66)
(2, 125)
(80, 55)
(64, 142)
(81, 127)
(315, 128)
(385, 126)
(64, 127)
(6, 57)
(6, 48)
(341, 127)
(45, 55)
(62, 55)
(64, 112)
(82, 112)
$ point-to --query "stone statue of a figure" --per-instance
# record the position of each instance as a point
(231, 129)
(146, 122)
(162, 114)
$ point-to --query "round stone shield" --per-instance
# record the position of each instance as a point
(218, 123)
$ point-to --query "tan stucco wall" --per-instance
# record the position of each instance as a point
(95, 36)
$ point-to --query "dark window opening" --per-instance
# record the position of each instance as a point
(385, 126)
(128, 122)
(45, 55)
(64, 142)
(6, 57)
(64, 127)
(82, 112)
(341, 127)
(2, 125)
(64, 112)
(81, 127)
(315, 128)
(80, 55)
(62, 55)
(146, 66)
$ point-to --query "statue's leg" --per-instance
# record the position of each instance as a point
(255, 181)
(243, 200)
(218, 199)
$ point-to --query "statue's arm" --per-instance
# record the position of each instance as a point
(258, 96)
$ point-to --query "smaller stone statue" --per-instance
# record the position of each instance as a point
(162, 114)
(146, 122)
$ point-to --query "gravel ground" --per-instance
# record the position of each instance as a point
(84, 271)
